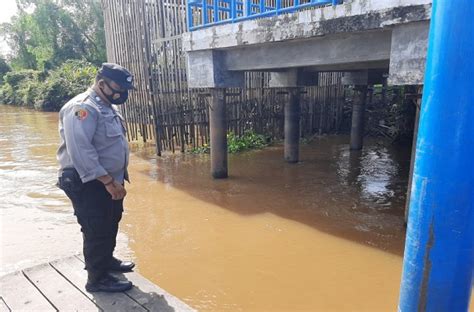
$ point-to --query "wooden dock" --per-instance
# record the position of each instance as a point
(60, 286)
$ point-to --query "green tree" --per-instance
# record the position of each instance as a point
(4, 68)
(17, 37)
(88, 17)
(46, 33)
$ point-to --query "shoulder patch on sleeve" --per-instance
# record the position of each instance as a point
(81, 113)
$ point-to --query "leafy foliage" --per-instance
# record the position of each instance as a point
(47, 91)
(204, 149)
(20, 86)
(249, 140)
(4, 68)
(64, 83)
(56, 46)
(55, 31)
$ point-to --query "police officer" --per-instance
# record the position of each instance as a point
(93, 156)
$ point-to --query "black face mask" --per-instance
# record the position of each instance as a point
(123, 95)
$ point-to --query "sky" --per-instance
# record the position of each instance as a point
(8, 9)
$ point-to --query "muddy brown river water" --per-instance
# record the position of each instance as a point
(326, 234)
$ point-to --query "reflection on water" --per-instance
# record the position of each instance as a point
(378, 173)
(332, 189)
(321, 235)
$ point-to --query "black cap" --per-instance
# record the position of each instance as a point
(120, 75)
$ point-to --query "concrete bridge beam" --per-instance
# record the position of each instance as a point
(339, 51)
(293, 78)
(408, 53)
(206, 69)
(399, 51)
(357, 35)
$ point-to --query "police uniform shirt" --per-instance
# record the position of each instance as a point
(92, 138)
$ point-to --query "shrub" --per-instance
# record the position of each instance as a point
(47, 91)
(7, 94)
(205, 149)
(249, 140)
(4, 68)
(16, 78)
(21, 87)
(65, 82)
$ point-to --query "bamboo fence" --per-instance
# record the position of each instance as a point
(145, 37)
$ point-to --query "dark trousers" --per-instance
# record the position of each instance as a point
(99, 217)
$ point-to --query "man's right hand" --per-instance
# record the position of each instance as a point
(116, 190)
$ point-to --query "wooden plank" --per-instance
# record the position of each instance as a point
(3, 306)
(62, 294)
(151, 296)
(21, 295)
(73, 270)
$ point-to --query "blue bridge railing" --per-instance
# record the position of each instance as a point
(204, 13)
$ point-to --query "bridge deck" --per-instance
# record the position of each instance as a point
(60, 286)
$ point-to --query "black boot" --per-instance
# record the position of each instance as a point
(120, 266)
(108, 283)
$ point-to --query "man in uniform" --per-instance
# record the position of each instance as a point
(93, 156)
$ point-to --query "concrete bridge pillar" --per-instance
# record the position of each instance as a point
(360, 80)
(218, 131)
(358, 113)
(207, 69)
(292, 80)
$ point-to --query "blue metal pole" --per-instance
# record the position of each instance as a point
(439, 255)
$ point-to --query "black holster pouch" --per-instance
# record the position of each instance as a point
(70, 182)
